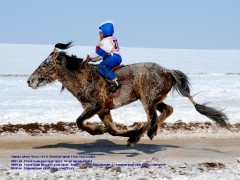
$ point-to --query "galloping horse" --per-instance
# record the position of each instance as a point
(148, 82)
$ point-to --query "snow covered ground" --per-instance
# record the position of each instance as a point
(176, 170)
(214, 73)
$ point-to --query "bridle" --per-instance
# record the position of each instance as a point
(50, 66)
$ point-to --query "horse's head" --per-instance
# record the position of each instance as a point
(47, 71)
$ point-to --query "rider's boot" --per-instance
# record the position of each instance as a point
(114, 85)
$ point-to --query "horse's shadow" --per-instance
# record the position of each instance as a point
(103, 147)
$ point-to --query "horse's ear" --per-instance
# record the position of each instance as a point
(55, 53)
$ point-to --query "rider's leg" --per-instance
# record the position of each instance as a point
(104, 68)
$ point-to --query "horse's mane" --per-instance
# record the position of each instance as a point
(71, 63)
(64, 46)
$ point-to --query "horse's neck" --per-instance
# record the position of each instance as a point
(77, 81)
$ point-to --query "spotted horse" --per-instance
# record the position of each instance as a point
(148, 82)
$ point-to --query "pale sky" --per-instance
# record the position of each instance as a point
(191, 24)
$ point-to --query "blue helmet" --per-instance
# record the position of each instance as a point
(107, 28)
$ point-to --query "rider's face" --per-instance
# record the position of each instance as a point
(101, 34)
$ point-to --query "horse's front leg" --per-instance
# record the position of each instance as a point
(88, 113)
(112, 128)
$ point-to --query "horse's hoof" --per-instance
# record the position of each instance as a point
(152, 132)
(151, 135)
(132, 141)
(131, 144)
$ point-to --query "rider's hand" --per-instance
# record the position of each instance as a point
(88, 58)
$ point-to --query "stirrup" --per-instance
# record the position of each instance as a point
(114, 86)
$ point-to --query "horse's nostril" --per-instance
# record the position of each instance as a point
(41, 79)
(28, 81)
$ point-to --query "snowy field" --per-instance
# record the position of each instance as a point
(213, 73)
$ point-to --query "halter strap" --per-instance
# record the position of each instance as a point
(55, 55)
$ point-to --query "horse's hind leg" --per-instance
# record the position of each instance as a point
(166, 111)
(111, 127)
(151, 118)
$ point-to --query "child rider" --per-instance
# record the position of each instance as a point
(108, 51)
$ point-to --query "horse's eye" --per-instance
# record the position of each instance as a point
(41, 79)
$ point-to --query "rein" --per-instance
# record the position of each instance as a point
(90, 71)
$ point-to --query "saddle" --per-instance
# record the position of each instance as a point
(117, 67)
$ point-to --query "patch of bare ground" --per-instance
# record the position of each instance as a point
(212, 165)
(71, 128)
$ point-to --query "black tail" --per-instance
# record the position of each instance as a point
(182, 84)
(63, 46)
